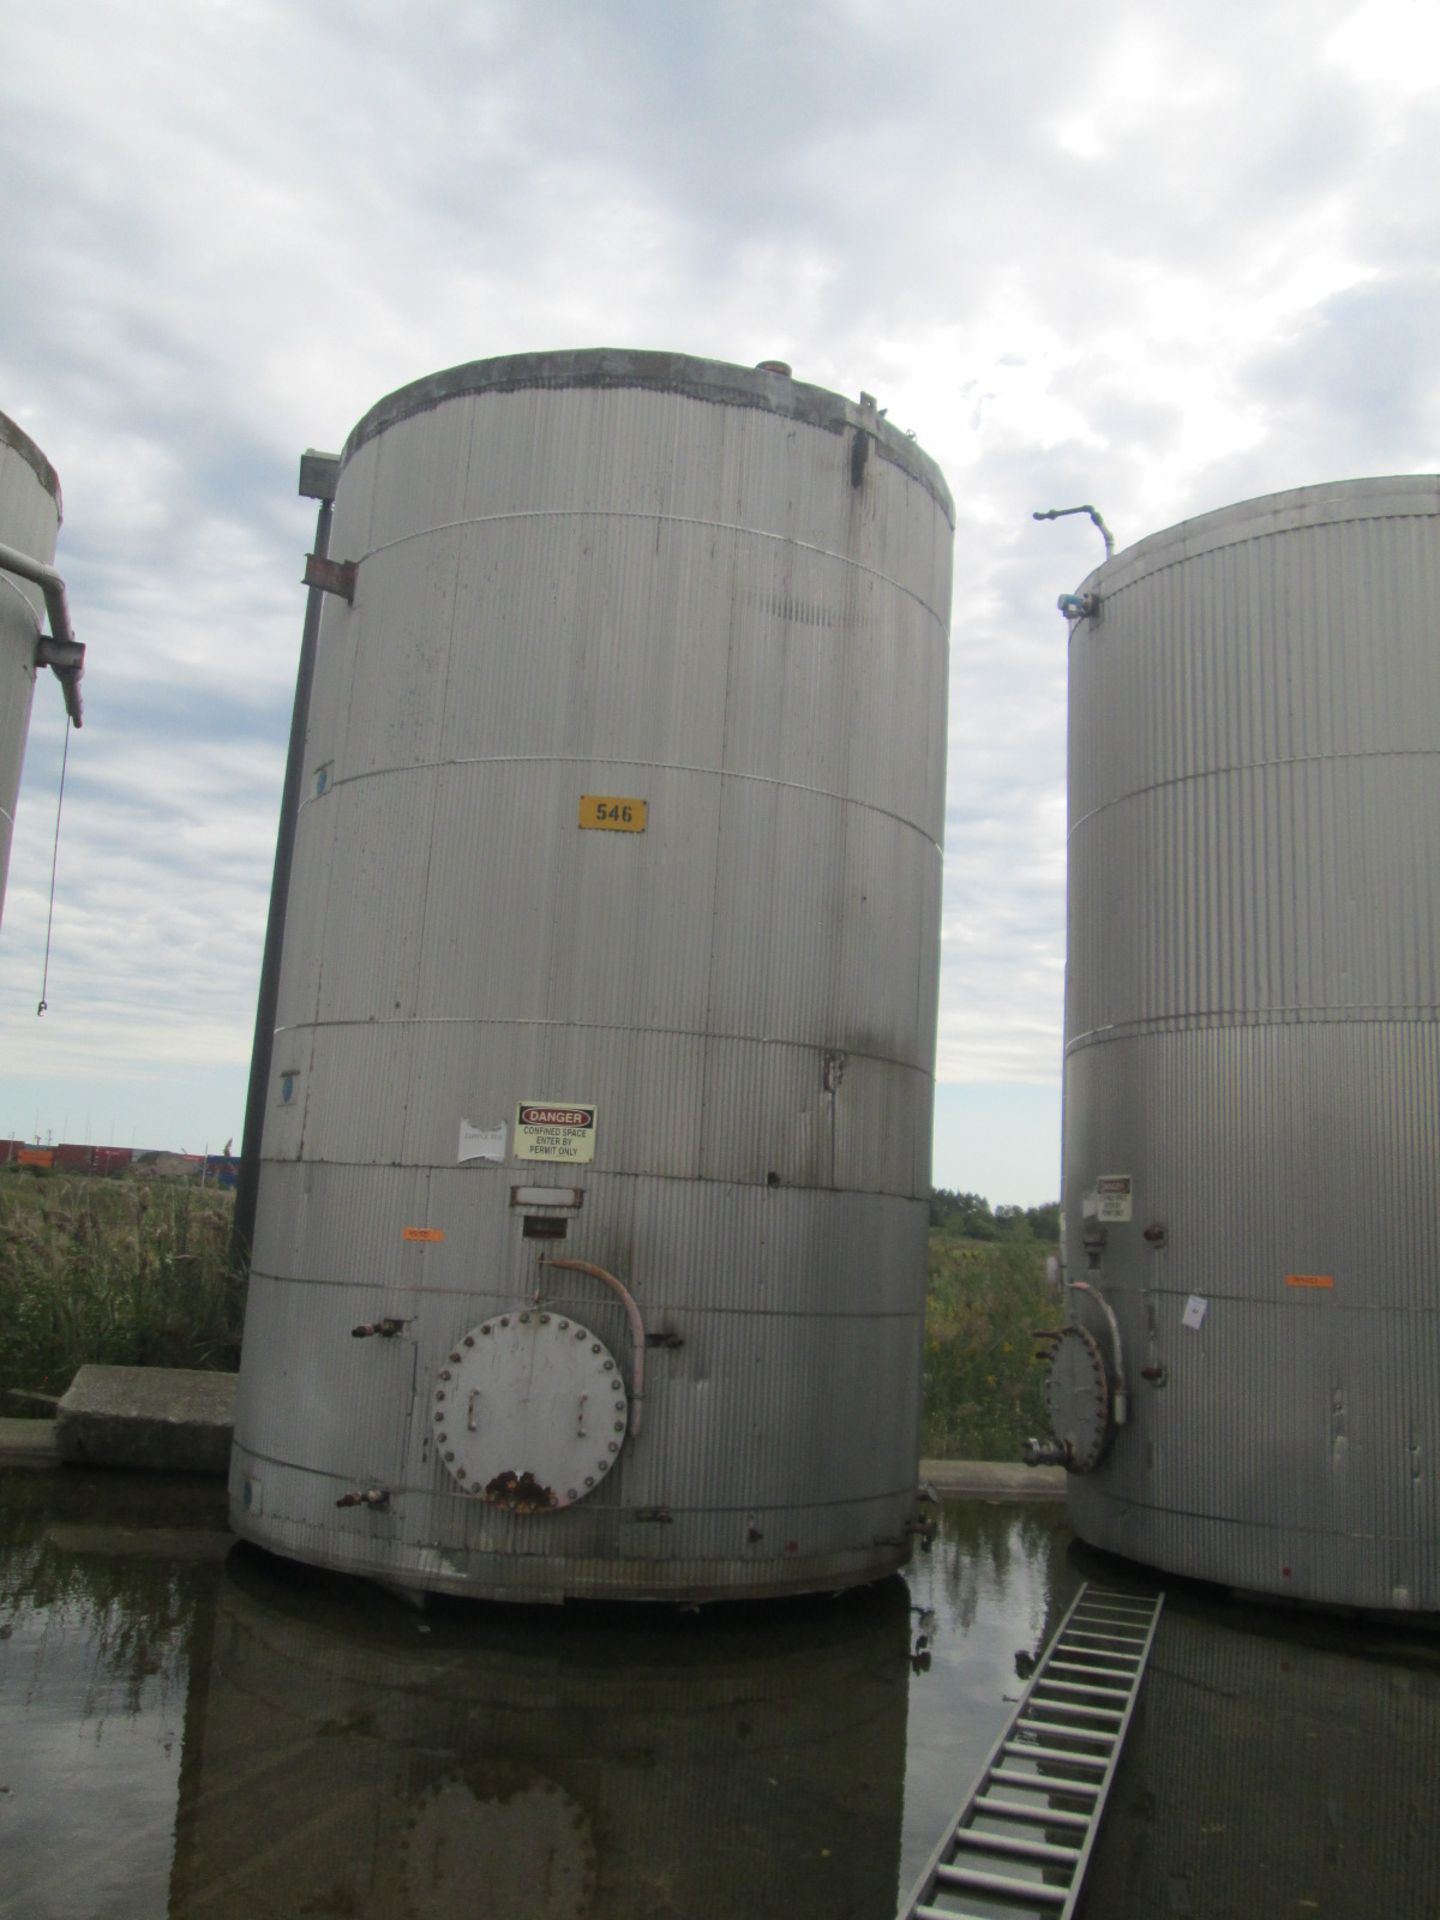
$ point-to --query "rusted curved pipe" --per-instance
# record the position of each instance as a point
(637, 1329)
(1121, 1395)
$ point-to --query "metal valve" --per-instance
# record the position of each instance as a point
(376, 1498)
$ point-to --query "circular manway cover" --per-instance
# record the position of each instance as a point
(1077, 1398)
(530, 1411)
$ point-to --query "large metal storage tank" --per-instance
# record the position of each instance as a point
(30, 524)
(1252, 1098)
(611, 938)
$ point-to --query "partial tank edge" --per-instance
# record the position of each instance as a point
(14, 436)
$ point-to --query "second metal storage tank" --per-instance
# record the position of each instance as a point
(29, 524)
(1252, 1101)
(611, 940)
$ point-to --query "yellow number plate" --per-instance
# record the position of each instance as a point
(613, 812)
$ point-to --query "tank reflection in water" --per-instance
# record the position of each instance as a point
(223, 1736)
(1279, 1762)
(346, 1757)
(216, 1734)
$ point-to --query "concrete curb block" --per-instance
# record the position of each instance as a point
(29, 1443)
(993, 1480)
(165, 1419)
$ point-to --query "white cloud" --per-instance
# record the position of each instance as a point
(1154, 259)
(1391, 45)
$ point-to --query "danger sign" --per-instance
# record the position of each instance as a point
(555, 1130)
(1113, 1197)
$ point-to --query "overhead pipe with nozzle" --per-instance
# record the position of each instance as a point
(59, 649)
(1059, 513)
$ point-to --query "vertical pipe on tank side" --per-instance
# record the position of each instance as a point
(318, 475)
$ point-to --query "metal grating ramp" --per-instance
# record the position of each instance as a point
(1019, 1847)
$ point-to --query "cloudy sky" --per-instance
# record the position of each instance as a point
(1161, 257)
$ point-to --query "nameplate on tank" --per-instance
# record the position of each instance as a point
(555, 1130)
(547, 1197)
(1309, 1279)
(613, 813)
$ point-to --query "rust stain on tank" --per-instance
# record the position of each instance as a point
(519, 1492)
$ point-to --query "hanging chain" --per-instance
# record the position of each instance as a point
(54, 865)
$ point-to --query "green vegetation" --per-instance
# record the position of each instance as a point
(987, 1293)
(971, 1215)
(111, 1272)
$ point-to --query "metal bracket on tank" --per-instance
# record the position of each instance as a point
(331, 576)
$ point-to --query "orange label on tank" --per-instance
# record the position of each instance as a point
(1309, 1280)
(422, 1233)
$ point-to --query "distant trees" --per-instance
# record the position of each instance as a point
(971, 1217)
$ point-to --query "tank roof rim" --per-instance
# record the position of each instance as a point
(1321, 503)
(688, 375)
(14, 436)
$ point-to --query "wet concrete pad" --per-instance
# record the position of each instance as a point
(170, 1419)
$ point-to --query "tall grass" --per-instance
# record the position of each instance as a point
(112, 1272)
(982, 1384)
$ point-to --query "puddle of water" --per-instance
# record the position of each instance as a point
(203, 1733)
(1279, 1764)
(94, 1661)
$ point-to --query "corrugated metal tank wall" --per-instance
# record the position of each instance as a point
(726, 595)
(29, 522)
(1252, 1038)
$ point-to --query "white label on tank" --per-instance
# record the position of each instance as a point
(573, 1197)
(555, 1130)
(1112, 1196)
(481, 1143)
(1194, 1314)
